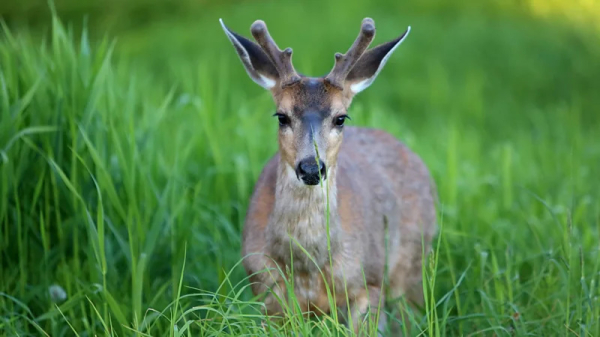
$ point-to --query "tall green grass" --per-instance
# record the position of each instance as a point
(126, 166)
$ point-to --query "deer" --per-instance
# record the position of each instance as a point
(376, 216)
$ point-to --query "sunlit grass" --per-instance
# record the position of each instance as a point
(585, 12)
(124, 178)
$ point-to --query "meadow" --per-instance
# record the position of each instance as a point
(131, 137)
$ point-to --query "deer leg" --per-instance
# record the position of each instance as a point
(273, 309)
(376, 300)
(368, 303)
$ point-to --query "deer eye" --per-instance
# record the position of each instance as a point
(339, 120)
(283, 119)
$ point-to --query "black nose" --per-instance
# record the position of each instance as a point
(309, 171)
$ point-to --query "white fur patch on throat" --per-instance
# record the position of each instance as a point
(300, 216)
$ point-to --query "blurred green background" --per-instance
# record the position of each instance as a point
(131, 137)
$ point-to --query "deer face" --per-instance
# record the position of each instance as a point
(311, 111)
(311, 117)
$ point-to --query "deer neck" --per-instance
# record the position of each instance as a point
(299, 218)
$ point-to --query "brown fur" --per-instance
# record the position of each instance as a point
(373, 184)
(376, 177)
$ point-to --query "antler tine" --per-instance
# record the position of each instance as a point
(345, 62)
(281, 59)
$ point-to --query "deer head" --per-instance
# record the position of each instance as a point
(311, 110)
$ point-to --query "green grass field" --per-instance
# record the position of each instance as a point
(129, 150)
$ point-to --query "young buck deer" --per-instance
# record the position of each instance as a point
(378, 193)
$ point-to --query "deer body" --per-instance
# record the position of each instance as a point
(373, 194)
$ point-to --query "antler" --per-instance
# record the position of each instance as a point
(345, 62)
(281, 59)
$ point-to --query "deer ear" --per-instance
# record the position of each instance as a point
(258, 65)
(370, 64)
